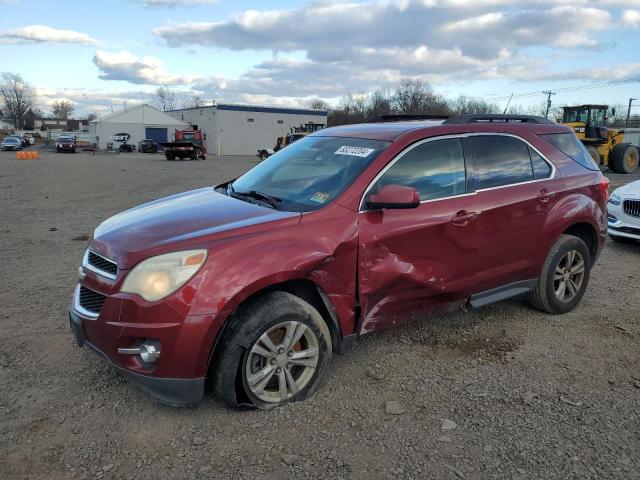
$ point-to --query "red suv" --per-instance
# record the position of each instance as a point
(254, 283)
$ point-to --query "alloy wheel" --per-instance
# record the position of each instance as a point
(569, 276)
(282, 361)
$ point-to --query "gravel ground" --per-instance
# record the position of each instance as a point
(502, 392)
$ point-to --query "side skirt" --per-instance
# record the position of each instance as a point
(504, 292)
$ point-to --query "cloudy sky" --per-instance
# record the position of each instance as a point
(101, 54)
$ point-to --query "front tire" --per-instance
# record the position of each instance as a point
(564, 277)
(276, 351)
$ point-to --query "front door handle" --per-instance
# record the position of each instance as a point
(463, 217)
(544, 195)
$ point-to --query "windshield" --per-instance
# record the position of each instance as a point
(11, 140)
(311, 172)
(576, 115)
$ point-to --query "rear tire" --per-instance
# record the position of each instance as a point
(595, 154)
(568, 263)
(623, 158)
(256, 355)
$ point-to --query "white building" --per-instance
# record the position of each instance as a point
(139, 123)
(243, 129)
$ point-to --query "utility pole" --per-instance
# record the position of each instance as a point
(548, 93)
(626, 124)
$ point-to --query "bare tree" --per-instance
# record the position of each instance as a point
(91, 116)
(17, 97)
(62, 109)
(165, 99)
(193, 102)
(464, 104)
(319, 104)
(417, 97)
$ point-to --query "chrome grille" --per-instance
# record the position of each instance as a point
(102, 264)
(631, 207)
(90, 300)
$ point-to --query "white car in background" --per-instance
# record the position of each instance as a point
(624, 213)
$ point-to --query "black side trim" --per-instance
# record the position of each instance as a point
(504, 292)
(169, 391)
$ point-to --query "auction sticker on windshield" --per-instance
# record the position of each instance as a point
(320, 197)
(355, 151)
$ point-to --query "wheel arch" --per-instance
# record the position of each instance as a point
(587, 233)
(302, 288)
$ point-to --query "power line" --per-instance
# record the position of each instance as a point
(574, 88)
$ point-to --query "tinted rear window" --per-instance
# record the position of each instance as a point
(499, 160)
(569, 144)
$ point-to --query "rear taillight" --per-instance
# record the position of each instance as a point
(604, 187)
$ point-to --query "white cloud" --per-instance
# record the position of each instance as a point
(140, 70)
(44, 34)
(359, 46)
(481, 29)
(631, 18)
(94, 100)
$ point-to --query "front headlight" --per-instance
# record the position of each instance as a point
(615, 199)
(157, 277)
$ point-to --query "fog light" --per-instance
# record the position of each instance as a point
(150, 351)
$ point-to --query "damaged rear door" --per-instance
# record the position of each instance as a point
(420, 259)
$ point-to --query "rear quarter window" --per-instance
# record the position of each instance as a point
(569, 144)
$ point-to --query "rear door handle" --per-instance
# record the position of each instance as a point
(463, 217)
(544, 195)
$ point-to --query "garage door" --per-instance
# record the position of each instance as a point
(158, 135)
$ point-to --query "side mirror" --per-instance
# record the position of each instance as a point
(613, 112)
(394, 196)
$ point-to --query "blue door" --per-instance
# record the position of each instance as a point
(158, 135)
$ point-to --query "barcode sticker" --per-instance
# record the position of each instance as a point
(354, 151)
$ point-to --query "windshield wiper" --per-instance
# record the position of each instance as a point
(263, 197)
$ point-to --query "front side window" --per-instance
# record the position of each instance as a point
(309, 173)
(435, 168)
(499, 160)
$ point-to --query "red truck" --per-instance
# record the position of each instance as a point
(256, 282)
(188, 144)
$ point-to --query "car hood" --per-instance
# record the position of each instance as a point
(185, 220)
(631, 190)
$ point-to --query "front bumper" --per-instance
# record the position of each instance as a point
(621, 224)
(170, 391)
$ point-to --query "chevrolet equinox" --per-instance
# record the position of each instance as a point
(250, 286)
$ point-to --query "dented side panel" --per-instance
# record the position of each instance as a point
(414, 260)
(321, 248)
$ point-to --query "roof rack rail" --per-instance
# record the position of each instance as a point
(496, 118)
(404, 117)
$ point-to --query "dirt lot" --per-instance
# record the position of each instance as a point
(502, 392)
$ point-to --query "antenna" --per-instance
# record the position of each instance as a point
(505, 108)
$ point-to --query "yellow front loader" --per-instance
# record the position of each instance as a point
(606, 145)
